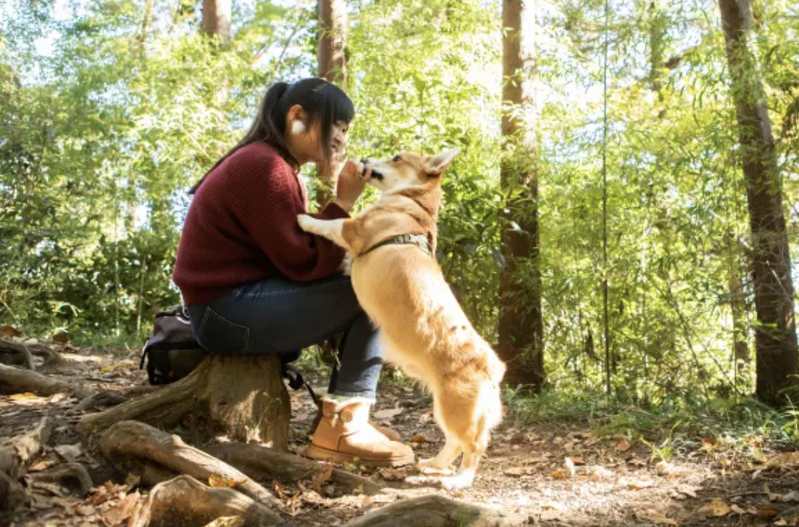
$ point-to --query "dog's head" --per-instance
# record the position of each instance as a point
(407, 169)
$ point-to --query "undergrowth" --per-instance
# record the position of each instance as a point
(733, 420)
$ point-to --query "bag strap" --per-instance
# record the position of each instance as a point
(296, 382)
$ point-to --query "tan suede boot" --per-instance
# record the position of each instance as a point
(344, 435)
(392, 435)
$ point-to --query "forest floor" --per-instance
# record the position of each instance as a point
(547, 473)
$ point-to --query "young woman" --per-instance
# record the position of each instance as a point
(254, 282)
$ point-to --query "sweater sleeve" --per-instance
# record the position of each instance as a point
(267, 201)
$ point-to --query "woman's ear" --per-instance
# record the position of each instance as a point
(297, 117)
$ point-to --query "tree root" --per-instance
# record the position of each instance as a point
(111, 398)
(263, 463)
(435, 511)
(241, 396)
(15, 456)
(22, 354)
(131, 439)
(15, 380)
(72, 475)
(185, 501)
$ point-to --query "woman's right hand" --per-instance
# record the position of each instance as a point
(351, 182)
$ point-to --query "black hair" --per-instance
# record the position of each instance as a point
(321, 101)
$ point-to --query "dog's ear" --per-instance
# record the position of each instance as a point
(436, 165)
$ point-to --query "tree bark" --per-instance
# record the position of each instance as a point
(521, 325)
(185, 501)
(435, 511)
(13, 380)
(216, 18)
(332, 66)
(240, 396)
(775, 329)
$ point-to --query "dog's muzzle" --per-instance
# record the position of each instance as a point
(375, 174)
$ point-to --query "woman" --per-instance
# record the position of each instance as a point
(254, 282)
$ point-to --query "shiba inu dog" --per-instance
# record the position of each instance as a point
(423, 328)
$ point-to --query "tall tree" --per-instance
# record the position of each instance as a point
(331, 65)
(775, 330)
(520, 320)
(216, 18)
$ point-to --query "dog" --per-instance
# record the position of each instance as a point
(423, 328)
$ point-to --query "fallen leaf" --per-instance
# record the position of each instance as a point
(86, 510)
(388, 413)
(784, 460)
(688, 491)
(736, 509)
(768, 511)
(318, 480)
(623, 445)
(301, 416)
(518, 471)
(636, 462)
(392, 474)
(791, 496)
(10, 331)
(550, 514)
(715, 508)
(558, 474)
(122, 510)
(577, 460)
(23, 396)
(420, 438)
(598, 472)
(641, 484)
(69, 452)
(224, 482)
(105, 492)
(658, 518)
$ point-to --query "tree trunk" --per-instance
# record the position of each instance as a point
(332, 66)
(216, 18)
(520, 320)
(241, 396)
(775, 330)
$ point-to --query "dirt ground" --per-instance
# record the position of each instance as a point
(550, 475)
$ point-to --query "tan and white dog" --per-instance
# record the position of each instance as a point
(423, 329)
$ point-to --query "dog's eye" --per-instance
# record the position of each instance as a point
(395, 159)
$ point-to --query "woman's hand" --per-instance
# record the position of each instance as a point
(351, 182)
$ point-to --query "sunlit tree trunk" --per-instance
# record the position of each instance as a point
(775, 329)
(332, 66)
(520, 321)
(216, 18)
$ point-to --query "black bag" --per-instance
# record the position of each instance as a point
(171, 352)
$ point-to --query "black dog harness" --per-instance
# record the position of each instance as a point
(419, 240)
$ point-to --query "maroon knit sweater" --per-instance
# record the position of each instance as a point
(242, 227)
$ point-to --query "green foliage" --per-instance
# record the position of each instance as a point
(104, 126)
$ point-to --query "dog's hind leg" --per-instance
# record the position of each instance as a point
(330, 229)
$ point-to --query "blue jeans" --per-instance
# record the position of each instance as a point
(281, 316)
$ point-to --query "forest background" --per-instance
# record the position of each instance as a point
(111, 109)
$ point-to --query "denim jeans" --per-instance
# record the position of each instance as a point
(281, 316)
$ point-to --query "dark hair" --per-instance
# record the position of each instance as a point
(321, 101)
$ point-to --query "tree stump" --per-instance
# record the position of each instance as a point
(240, 396)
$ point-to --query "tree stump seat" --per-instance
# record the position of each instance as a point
(241, 396)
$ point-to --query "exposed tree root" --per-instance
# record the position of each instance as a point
(240, 396)
(132, 441)
(15, 380)
(15, 456)
(71, 475)
(263, 463)
(111, 398)
(184, 501)
(435, 511)
(18, 353)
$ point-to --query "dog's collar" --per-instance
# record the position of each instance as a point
(419, 240)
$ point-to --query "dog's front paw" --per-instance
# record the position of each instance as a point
(433, 466)
(305, 222)
(461, 481)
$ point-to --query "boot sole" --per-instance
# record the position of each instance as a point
(324, 454)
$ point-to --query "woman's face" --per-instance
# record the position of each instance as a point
(307, 146)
